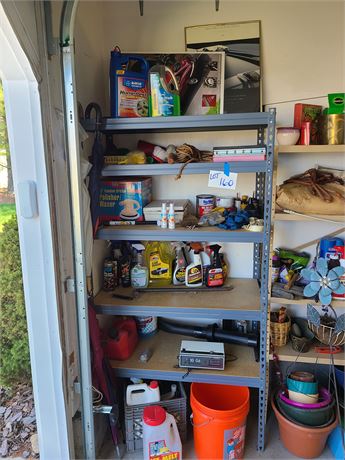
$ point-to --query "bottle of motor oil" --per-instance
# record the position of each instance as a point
(194, 275)
(179, 276)
(215, 276)
(164, 98)
(159, 257)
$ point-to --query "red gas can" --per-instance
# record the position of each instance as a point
(121, 339)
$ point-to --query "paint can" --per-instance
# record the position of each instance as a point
(204, 204)
(146, 325)
(224, 202)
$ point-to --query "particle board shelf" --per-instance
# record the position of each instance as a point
(282, 216)
(155, 233)
(185, 123)
(286, 353)
(326, 149)
(301, 301)
(163, 363)
(173, 169)
(241, 302)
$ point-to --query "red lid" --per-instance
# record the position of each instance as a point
(154, 384)
(154, 415)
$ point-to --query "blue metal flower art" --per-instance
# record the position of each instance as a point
(323, 282)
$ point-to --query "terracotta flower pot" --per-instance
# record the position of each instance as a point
(302, 441)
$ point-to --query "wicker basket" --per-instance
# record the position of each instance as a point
(280, 332)
(326, 335)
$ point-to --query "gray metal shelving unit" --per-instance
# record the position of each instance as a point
(253, 306)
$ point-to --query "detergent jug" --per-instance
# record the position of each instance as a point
(160, 435)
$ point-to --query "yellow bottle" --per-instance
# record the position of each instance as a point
(159, 257)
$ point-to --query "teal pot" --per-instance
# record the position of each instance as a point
(301, 424)
(308, 417)
(307, 388)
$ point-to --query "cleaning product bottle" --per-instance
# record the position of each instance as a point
(139, 273)
(125, 266)
(164, 98)
(224, 266)
(164, 219)
(194, 275)
(179, 276)
(215, 276)
(159, 257)
(161, 438)
(205, 260)
(171, 217)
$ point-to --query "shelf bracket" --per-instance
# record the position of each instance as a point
(141, 7)
(217, 5)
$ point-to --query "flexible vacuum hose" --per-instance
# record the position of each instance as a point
(211, 333)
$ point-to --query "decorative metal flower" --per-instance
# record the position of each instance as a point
(323, 282)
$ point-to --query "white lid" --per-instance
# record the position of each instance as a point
(156, 205)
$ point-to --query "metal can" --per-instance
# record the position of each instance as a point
(305, 133)
(109, 275)
(204, 204)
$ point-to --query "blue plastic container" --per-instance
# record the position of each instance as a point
(326, 244)
(128, 85)
(340, 376)
(335, 443)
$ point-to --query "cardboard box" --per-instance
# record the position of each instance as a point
(124, 198)
(307, 112)
(152, 212)
(200, 76)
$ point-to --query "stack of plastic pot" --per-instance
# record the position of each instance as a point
(306, 415)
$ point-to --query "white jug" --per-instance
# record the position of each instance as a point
(160, 435)
(142, 393)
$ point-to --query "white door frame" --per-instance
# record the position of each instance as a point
(24, 122)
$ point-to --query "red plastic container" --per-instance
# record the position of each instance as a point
(122, 346)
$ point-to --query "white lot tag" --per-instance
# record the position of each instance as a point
(218, 179)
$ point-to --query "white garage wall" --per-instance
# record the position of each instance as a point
(302, 59)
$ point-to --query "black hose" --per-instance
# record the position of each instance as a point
(210, 332)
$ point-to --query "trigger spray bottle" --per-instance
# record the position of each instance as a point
(179, 275)
(215, 275)
(194, 275)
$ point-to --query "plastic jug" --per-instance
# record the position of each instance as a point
(142, 393)
(160, 435)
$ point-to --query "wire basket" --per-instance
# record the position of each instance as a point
(300, 344)
(280, 332)
(134, 415)
(325, 334)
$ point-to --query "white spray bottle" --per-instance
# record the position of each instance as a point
(194, 275)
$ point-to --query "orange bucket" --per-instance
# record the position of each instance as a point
(219, 420)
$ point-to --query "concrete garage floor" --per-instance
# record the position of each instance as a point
(274, 448)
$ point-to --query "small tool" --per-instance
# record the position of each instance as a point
(126, 297)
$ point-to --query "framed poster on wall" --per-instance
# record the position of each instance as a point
(240, 41)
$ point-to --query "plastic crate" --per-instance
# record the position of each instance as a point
(134, 414)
